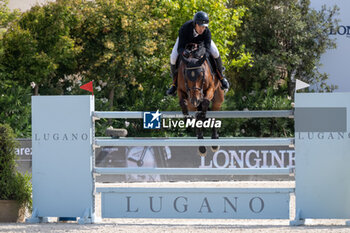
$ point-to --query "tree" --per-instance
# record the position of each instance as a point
(38, 48)
(123, 46)
(286, 39)
(14, 98)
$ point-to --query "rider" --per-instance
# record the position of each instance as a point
(195, 31)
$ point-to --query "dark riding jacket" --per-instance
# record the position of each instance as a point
(187, 35)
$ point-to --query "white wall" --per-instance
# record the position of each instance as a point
(24, 5)
(336, 62)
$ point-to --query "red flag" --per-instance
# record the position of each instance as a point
(88, 87)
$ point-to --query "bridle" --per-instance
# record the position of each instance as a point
(194, 68)
(201, 70)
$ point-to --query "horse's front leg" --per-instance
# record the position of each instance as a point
(199, 132)
(183, 103)
(216, 106)
(206, 102)
(215, 135)
(201, 116)
(205, 106)
(218, 99)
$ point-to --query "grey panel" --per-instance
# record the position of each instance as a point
(320, 119)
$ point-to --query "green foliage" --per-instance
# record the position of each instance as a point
(13, 185)
(6, 15)
(15, 108)
(285, 37)
(286, 40)
(38, 47)
(124, 46)
(24, 63)
(14, 96)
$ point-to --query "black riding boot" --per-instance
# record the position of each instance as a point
(224, 82)
(172, 89)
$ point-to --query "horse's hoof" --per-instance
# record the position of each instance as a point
(215, 148)
(140, 163)
(202, 151)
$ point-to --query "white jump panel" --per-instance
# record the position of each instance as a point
(323, 158)
(62, 156)
(220, 203)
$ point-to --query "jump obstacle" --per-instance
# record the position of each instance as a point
(63, 167)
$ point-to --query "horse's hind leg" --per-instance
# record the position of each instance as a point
(199, 132)
(201, 149)
(215, 135)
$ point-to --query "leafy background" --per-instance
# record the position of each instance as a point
(124, 47)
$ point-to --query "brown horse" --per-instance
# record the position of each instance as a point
(197, 88)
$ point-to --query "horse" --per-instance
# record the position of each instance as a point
(198, 86)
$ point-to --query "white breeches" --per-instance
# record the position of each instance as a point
(213, 50)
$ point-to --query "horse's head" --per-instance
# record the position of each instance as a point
(194, 73)
(194, 82)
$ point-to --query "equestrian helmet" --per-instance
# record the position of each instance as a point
(201, 18)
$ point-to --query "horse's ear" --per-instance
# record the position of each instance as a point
(200, 52)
